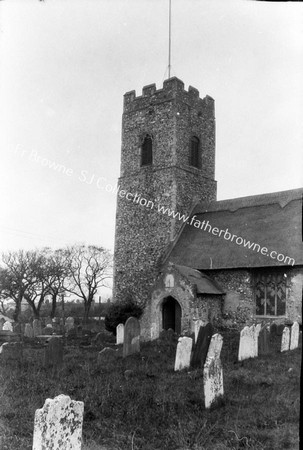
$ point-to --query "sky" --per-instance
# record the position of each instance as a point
(65, 66)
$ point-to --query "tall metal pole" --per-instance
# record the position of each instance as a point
(169, 40)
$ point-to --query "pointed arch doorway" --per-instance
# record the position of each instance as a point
(171, 314)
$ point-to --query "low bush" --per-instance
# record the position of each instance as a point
(119, 312)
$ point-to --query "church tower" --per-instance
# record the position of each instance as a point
(167, 165)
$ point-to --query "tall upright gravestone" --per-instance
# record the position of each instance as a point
(285, 340)
(53, 356)
(294, 337)
(213, 373)
(183, 353)
(120, 334)
(201, 346)
(58, 425)
(28, 331)
(263, 342)
(37, 327)
(131, 342)
(247, 347)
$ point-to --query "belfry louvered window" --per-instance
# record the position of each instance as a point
(194, 156)
(270, 293)
(147, 151)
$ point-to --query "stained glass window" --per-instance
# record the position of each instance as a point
(270, 293)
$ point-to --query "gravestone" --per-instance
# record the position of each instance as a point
(69, 324)
(7, 326)
(53, 354)
(212, 372)
(11, 350)
(273, 329)
(197, 324)
(2, 322)
(201, 346)
(48, 321)
(263, 342)
(28, 331)
(58, 425)
(37, 328)
(247, 343)
(285, 339)
(183, 353)
(294, 339)
(257, 330)
(131, 342)
(120, 334)
(48, 330)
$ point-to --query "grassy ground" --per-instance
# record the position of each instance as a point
(152, 407)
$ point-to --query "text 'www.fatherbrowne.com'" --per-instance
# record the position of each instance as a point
(205, 226)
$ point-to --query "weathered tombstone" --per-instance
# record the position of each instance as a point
(12, 350)
(280, 329)
(285, 340)
(294, 340)
(197, 324)
(263, 342)
(257, 330)
(201, 346)
(53, 355)
(7, 326)
(2, 322)
(48, 321)
(58, 425)
(28, 331)
(183, 353)
(273, 329)
(37, 328)
(131, 342)
(247, 343)
(69, 324)
(213, 373)
(120, 334)
(48, 330)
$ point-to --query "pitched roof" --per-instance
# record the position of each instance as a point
(272, 221)
(204, 284)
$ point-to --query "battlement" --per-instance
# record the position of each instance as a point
(173, 88)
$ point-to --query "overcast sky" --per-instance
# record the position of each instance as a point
(65, 65)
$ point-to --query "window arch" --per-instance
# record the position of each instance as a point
(194, 156)
(147, 151)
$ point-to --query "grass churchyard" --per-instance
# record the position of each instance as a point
(140, 402)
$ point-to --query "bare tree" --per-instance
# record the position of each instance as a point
(18, 276)
(89, 268)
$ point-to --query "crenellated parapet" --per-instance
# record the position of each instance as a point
(173, 88)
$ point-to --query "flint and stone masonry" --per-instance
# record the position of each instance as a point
(171, 117)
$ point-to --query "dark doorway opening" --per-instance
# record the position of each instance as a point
(171, 315)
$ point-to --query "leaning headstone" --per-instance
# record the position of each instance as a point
(201, 346)
(28, 331)
(37, 328)
(131, 342)
(285, 340)
(257, 330)
(120, 334)
(183, 353)
(53, 355)
(247, 343)
(58, 425)
(213, 373)
(294, 339)
(198, 323)
(7, 326)
(263, 342)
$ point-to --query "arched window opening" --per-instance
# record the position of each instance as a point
(194, 158)
(147, 151)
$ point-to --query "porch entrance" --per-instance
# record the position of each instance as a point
(171, 315)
